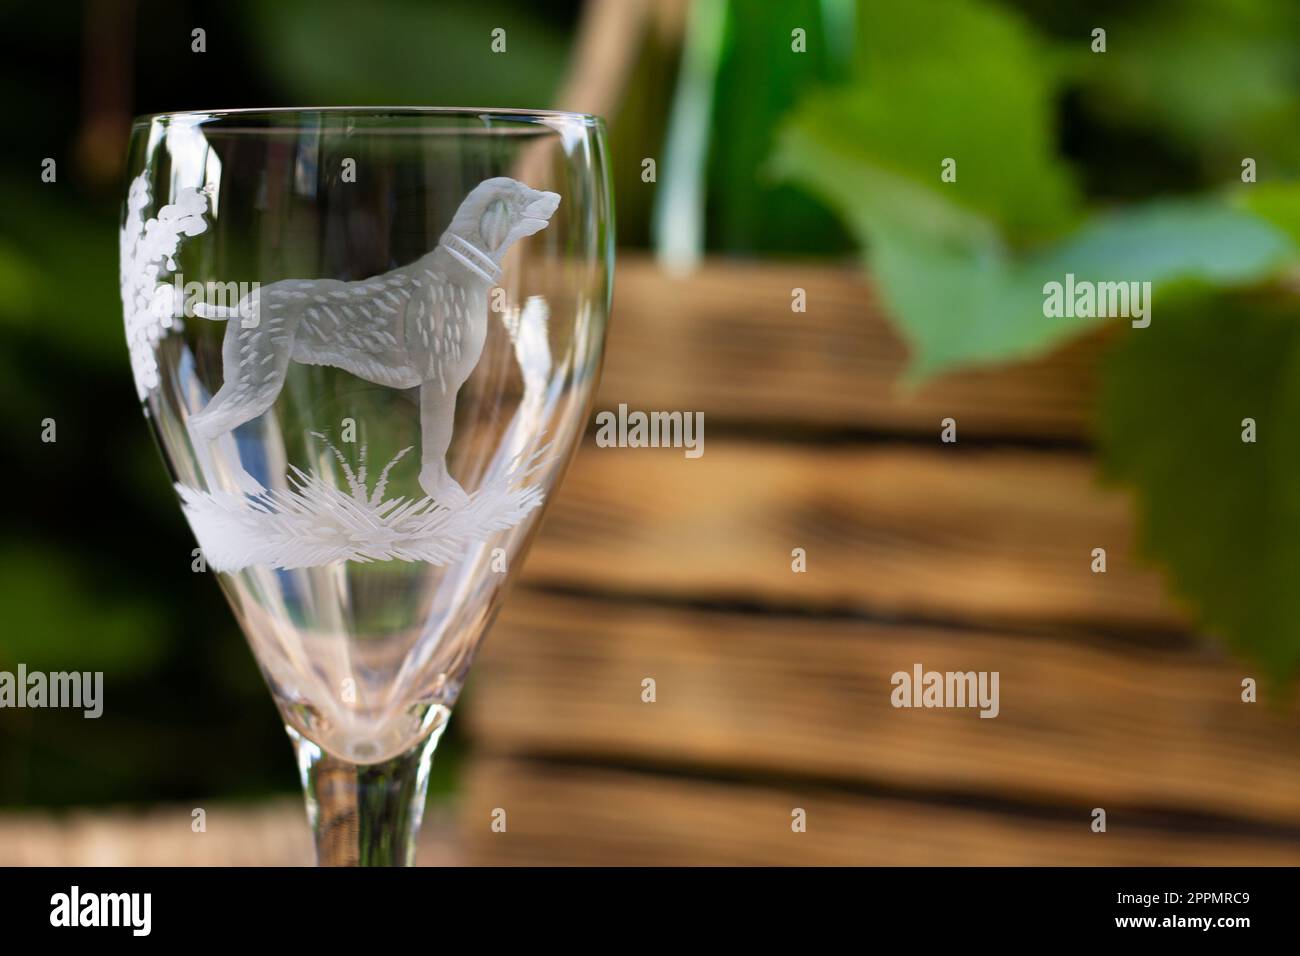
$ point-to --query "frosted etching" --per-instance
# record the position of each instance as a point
(146, 248)
(419, 326)
(314, 521)
(422, 325)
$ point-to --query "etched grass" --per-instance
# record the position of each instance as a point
(313, 521)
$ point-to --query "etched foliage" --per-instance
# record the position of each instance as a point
(422, 325)
(146, 251)
(313, 521)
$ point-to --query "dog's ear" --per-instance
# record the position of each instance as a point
(494, 225)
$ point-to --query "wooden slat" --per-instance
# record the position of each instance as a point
(1099, 724)
(563, 816)
(725, 341)
(970, 535)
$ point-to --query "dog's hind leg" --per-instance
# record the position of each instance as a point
(254, 362)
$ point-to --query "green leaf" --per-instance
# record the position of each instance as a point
(951, 78)
(962, 296)
(1220, 513)
(1277, 202)
(962, 265)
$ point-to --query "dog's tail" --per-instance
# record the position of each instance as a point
(216, 312)
(247, 310)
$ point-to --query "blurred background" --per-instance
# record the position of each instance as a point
(835, 219)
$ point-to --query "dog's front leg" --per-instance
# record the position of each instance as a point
(437, 418)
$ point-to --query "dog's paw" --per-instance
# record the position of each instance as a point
(443, 488)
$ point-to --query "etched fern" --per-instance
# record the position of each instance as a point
(315, 522)
(147, 248)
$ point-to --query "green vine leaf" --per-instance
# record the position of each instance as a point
(962, 265)
(1221, 514)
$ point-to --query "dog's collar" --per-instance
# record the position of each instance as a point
(471, 257)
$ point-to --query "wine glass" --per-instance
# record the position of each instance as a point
(366, 341)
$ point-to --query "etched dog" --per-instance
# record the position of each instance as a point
(423, 324)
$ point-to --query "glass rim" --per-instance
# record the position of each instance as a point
(514, 113)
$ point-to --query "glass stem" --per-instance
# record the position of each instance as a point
(365, 814)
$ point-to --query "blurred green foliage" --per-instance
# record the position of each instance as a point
(748, 209)
(1223, 513)
(1211, 76)
(399, 53)
(1122, 164)
(962, 263)
(937, 79)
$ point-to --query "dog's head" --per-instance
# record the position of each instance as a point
(499, 212)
